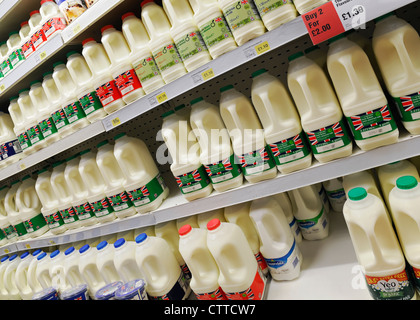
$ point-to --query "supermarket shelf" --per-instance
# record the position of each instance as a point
(10, 10)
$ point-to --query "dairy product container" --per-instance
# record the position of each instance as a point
(243, 19)
(132, 290)
(105, 262)
(42, 270)
(18, 119)
(12, 209)
(191, 220)
(320, 112)
(16, 56)
(304, 6)
(4, 294)
(364, 179)
(205, 217)
(11, 150)
(280, 120)
(25, 39)
(71, 9)
(38, 37)
(240, 277)
(96, 57)
(46, 294)
(9, 278)
(187, 37)
(216, 150)
(6, 229)
(53, 21)
(77, 293)
(247, 136)
(284, 201)
(376, 246)
(57, 272)
(5, 66)
(125, 260)
(361, 97)
(29, 125)
(71, 267)
(89, 269)
(275, 13)
(31, 275)
(309, 212)
(335, 193)
(161, 43)
(21, 276)
(108, 291)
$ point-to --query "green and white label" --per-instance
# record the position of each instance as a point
(190, 44)
(47, 127)
(290, 150)
(215, 31)
(147, 193)
(392, 287)
(146, 69)
(266, 6)
(101, 208)
(313, 225)
(167, 57)
(16, 57)
(54, 220)
(224, 170)
(90, 103)
(68, 215)
(83, 211)
(241, 13)
(35, 223)
(6, 67)
(35, 135)
(10, 232)
(59, 118)
(409, 107)
(257, 161)
(24, 141)
(74, 112)
(120, 201)
(193, 181)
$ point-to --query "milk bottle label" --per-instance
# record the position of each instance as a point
(240, 14)
(256, 162)
(147, 193)
(415, 275)
(35, 135)
(372, 123)
(285, 264)
(20, 229)
(10, 232)
(2, 235)
(24, 141)
(101, 208)
(52, 26)
(167, 57)
(120, 201)
(266, 6)
(83, 211)
(16, 57)
(54, 220)
(393, 287)
(176, 293)
(28, 48)
(290, 150)
(47, 127)
(68, 215)
(6, 66)
(215, 295)
(38, 38)
(108, 93)
(215, 31)
(60, 119)
(409, 107)
(146, 69)
(193, 181)
(328, 138)
(127, 82)
(254, 292)
(90, 103)
(337, 198)
(262, 264)
(9, 149)
(74, 112)
(34, 224)
(190, 45)
(314, 225)
(223, 171)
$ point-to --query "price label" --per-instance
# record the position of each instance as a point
(116, 122)
(262, 47)
(208, 74)
(161, 97)
(2, 87)
(76, 28)
(42, 55)
(27, 246)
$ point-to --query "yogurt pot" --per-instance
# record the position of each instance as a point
(132, 290)
(76, 293)
(108, 291)
(46, 294)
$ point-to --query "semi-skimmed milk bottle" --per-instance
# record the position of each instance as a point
(303, 6)
(71, 267)
(395, 43)
(9, 278)
(13, 213)
(360, 94)
(161, 43)
(280, 120)
(320, 112)
(18, 117)
(125, 260)
(31, 276)
(274, 13)
(7, 232)
(89, 269)
(376, 246)
(21, 276)
(105, 262)
(247, 136)
(216, 149)
(283, 200)
(16, 56)
(29, 113)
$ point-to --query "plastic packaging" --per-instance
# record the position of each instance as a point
(89, 269)
(284, 201)
(275, 13)
(9, 278)
(304, 6)
(132, 290)
(53, 21)
(105, 262)
(125, 260)
(57, 272)
(42, 270)
(21, 276)
(71, 267)
(335, 193)
(108, 291)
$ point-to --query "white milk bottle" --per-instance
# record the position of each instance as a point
(361, 97)
(364, 179)
(144, 184)
(274, 13)
(320, 112)
(205, 217)
(115, 180)
(394, 43)
(26, 42)
(105, 262)
(213, 27)
(216, 149)
(71, 267)
(284, 201)
(278, 245)
(335, 193)
(42, 270)
(29, 113)
(11, 150)
(65, 195)
(125, 260)
(247, 136)
(79, 191)
(310, 213)
(38, 37)
(18, 117)
(16, 56)
(57, 272)
(239, 215)
(280, 120)
(161, 43)
(141, 56)
(303, 6)
(4, 294)
(164, 277)
(89, 269)
(7, 233)
(50, 202)
(9, 278)
(5, 66)
(96, 186)
(31, 276)
(21, 276)
(184, 149)
(122, 71)
(240, 277)
(205, 272)
(376, 246)
(12, 209)
(83, 76)
(243, 19)
(187, 37)
(53, 21)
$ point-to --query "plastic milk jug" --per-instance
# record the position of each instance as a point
(53, 21)
(9, 278)
(280, 120)
(12, 209)
(57, 271)
(10, 148)
(144, 184)
(25, 40)
(191, 220)
(42, 270)
(278, 245)
(28, 111)
(335, 193)
(21, 276)
(239, 215)
(16, 56)
(161, 43)
(205, 217)
(5, 66)
(320, 112)
(4, 262)
(247, 136)
(164, 277)
(361, 97)
(187, 37)
(18, 117)
(376, 246)
(309, 212)
(274, 13)
(38, 37)
(240, 277)
(89, 269)
(125, 260)
(304, 6)
(286, 205)
(71, 267)
(215, 145)
(115, 180)
(7, 233)
(95, 184)
(213, 27)
(362, 179)
(243, 19)
(183, 147)
(31, 276)
(105, 262)
(395, 42)
(205, 272)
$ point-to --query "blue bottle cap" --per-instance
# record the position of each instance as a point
(24, 255)
(119, 243)
(102, 245)
(41, 256)
(54, 254)
(84, 248)
(13, 257)
(69, 250)
(141, 237)
(36, 252)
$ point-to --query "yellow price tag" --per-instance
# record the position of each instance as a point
(52, 242)
(208, 74)
(27, 246)
(161, 97)
(76, 28)
(116, 122)
(21, 166)
(262, 47)
(2, 87)
(6, 251)
(42, 55)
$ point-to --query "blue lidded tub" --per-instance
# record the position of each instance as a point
(132, 290)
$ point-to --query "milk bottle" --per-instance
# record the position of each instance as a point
(7, 233)
(278, 245)
(335, 193)
(213, 27)
(89, 269)
(321, 115)
(5, 66)
(247, 136)
(186, 35)
(125, 260)
(215, 145)
(189, 172)
(361, 97)
(105, 262)
(115, 180)
(243, 19)
(16, 56)
(9, 278)
(141, 56)
(18, 119)
(10, 148)
(38, 37)
(42, 270)
(50, 202)
(364, 179)
(161, 43)
(122, 71)
(239, 215)
(399, 66)
(274, 13)
(53, 21)
(79, 191)
(376, 246)
(284, 201)
(25, 39)
(163, 275)
(309, 212)
(21, 276)
(31, 276)
(71, 267)
(29, 113)
(95, 183)
(205, 217)
(280, 120)
(57, 272)
(234, 256)
(12, 209)
(4, 294)
(303, 6)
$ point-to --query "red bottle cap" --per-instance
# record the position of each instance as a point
(213, 224)
(185, 229)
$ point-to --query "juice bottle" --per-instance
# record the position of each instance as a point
(274, 13)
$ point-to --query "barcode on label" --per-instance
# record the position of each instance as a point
(376, 132)
(329, 147)
(222, 178)
(292, 157)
